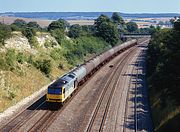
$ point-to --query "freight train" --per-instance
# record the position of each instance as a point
(63, 87)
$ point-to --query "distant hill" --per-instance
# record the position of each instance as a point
(81, 15)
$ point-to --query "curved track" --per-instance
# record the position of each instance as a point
(100, 113)
(41, 115)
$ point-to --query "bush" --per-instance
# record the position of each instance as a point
(56, 54)
(21, 58)
(61, 66)
(11, 94)
(44, 66)
(11, 59)
(75, 31)
(58, 34)
(5, 32)
(34, 43)
(30, 60)
(76, 52)
(2, 63)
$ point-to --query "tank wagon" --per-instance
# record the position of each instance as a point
(63, 87)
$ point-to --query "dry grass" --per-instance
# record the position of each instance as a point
(18, 85)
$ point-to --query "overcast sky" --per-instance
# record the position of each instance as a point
(125, 6)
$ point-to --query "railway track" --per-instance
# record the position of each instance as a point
(22, 121)
(134, 71)
(134, 79)
(100, 113)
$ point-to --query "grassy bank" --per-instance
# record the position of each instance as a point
(21, 73)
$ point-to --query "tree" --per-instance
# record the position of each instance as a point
(5, 32)
(20, 23)
(29, 32)
(177, 25)
(33, 25)
(64, 22)
(59, 24)
(108, 31)
(131, 26)
(58, 35)
(102, 18)
(75, 31)
(117, 19)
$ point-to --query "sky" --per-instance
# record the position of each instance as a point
(124, 6)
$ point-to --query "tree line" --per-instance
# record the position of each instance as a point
(107, 28)
(163, 63)
(85, 39)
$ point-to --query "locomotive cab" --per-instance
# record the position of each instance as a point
(62, 88)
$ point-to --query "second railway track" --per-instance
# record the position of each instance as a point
(100, 112)
(21, 122)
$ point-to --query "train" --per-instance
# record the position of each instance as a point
(65, 85)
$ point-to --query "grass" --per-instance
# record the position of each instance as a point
(17, 86)
(20, 75)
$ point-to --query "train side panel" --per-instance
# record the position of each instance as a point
(80, 73)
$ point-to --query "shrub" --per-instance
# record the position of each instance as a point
(58, 34)
(21, 58)
(11, 94)
(75, 31)
(56, 54)
(61, 66)
(44, 66)
(30, 60)
(33, 41)
(2, 63)
(11, 59)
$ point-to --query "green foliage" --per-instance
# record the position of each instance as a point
(58, 34)
(59, 24)
(5, 32)
(48, 44)
(88, 30)
(33, 25)
(11, 94)
(11, 59)
(56, 54)
(163, 62)
(106, 29)
(2, 62)
(131, 26)
(15, 27)
(117, 19)
(77, 51)
(61, 66)
(33, 41)
(29, 33)
(20, 23)
(21, 58)
(75, 31)
(177, 25)
(30, 59)
(44, 66)
(102, 18)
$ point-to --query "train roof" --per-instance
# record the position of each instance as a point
(63, 80)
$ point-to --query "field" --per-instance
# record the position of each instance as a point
(43, 23)
(141, 22)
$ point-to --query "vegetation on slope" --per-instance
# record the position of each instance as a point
(23, 72)
(164, 78)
